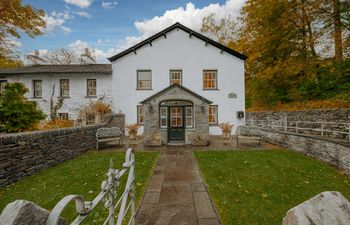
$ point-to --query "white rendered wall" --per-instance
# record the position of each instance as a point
(192, 56)
(77, 90)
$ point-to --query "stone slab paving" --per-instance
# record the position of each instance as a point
(176, 194)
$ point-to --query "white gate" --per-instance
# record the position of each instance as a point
(124, 202)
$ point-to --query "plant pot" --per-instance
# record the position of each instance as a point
(132, 135)
(226, 135)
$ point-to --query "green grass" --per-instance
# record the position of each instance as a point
(82, 175)
(259, 187)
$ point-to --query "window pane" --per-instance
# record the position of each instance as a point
(189, 117)
(37, 88)
(2, 85)
(163, 113)
(213, 115)
(163, 123)
(144, 79)
(64, 84)
(144, 75)
(209, 79)
(140, 115)
(91, 87)
(175, 77)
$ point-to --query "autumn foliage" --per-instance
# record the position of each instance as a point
(298, 51)
(17, 18)
(54, 124)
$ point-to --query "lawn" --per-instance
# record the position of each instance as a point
(259, 187)
(82, 175)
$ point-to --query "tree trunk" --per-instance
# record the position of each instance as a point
(338, 41)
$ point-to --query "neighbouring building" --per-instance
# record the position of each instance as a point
(177, 83)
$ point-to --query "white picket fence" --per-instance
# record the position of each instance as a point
(118, 206)
(339, 131)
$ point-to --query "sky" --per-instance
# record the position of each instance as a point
(110, 26)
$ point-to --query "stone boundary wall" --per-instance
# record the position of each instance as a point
(316, 115)
(332, 152)
(23, 154)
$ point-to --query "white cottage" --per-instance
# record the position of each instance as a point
(182, 56)
(178, 83)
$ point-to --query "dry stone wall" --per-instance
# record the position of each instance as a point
(333, 152)
(23, 154)
(317, 115)
(335, 122)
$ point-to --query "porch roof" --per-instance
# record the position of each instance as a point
(159, 93)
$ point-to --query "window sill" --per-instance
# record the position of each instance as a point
(144, 89)
(37, 98)
(214, 89)
(64, 97)
(90, 96)
(213, 124)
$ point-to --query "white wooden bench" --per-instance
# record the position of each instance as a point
(250, 133)
(108, 134)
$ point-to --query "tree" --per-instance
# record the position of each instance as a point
(55, 107)
(16, 112)
(14, 18)
(335, 15)
(224, 31)
(287, 44)
(62, 56)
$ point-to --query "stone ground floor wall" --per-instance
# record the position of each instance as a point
(329, 151)
(23, 154)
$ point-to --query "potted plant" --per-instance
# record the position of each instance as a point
(226, 129)
(132, 129)
(154, 139)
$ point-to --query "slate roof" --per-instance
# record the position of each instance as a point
(159, 93)
(59, 69)
(184, 28)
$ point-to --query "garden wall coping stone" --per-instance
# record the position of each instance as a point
(326, 208)
(22, 212)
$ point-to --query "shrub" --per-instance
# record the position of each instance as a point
(226, 127)
(54, 124)
(16, 112)
(97, 108)
(132, 128)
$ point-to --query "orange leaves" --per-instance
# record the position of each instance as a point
(54, 124)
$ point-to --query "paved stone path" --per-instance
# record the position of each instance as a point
(176, 194)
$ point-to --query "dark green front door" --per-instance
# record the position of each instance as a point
(176, 128)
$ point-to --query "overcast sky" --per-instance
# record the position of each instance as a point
(109, 26)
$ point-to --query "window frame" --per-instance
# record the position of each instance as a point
(192, 117)
(137, 80)
(2, 85)
(88, 88)
(216, 79)
(216, 117)
(90, 116)
(138, 114)
(163, 117)
(35, 95)
(61, 89)
(170, 76)
(60, 115)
